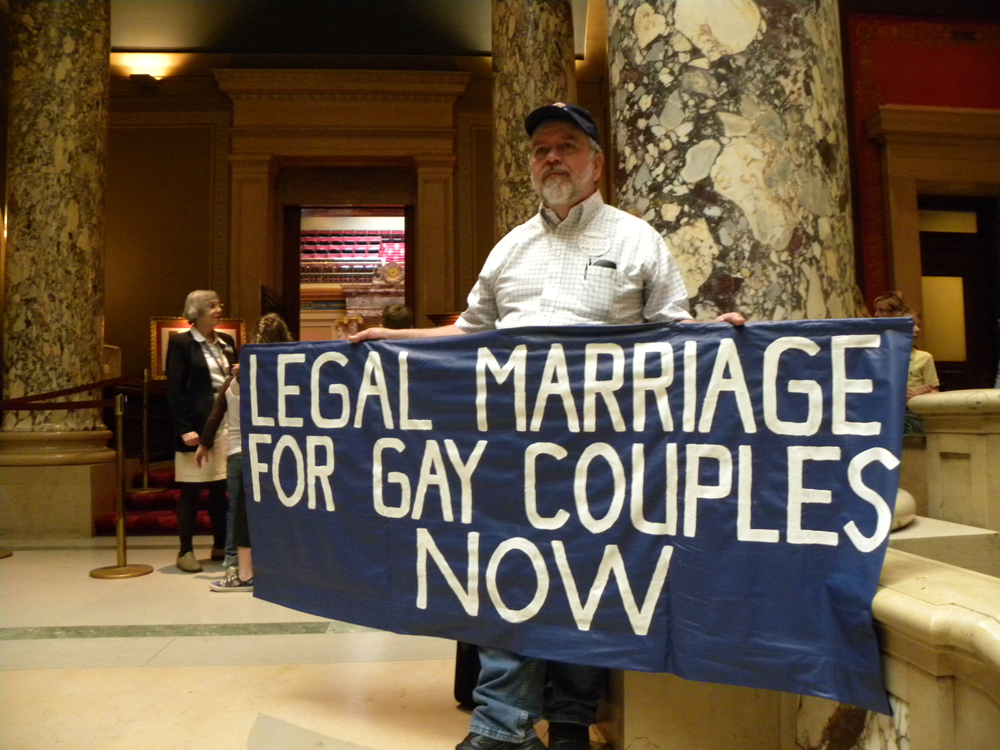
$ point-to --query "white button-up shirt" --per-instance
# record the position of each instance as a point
(599, 265)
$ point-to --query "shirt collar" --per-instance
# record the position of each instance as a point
(197, 336)
(578, 216)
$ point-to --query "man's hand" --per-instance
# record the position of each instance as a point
(731, 317)
(190, 438)
(372, 334)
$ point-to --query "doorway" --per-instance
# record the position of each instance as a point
(348, 263)
(960, 282)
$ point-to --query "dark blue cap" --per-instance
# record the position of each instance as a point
(560, 111)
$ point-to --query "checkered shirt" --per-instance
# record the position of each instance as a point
(599, 265)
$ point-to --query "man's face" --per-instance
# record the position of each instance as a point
(564, 169)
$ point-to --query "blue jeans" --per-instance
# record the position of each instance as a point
(513, 696)
(234, 483)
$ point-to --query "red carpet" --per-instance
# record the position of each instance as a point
(153, 514)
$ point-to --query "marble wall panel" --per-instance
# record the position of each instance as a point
(731, 138)
(826, 725)
(54, 286)
(532, 66)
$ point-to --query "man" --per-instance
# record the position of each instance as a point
(577, 261)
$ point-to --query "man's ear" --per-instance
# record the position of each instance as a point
(599, 169)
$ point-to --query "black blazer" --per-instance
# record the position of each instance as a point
(189, 384)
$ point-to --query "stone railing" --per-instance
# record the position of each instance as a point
(939, 627)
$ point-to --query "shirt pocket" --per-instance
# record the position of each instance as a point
(601, 290)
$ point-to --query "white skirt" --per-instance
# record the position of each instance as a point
(212, 468)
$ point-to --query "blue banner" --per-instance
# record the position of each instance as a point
(692, 498)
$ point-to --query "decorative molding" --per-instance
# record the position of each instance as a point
(894, 121)
(356, 84)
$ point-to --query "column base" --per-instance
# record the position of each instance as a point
(53, 484)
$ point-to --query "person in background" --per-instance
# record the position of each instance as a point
(270, 329)
(397, 317)
(198, 362)
(576, 261)
(923, 376)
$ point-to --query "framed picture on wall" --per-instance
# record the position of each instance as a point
(161, 329)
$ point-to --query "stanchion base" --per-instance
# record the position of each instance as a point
(4, 552)
(147, 491)
(121, 571)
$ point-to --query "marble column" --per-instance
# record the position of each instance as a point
(731, 139)
(54, 281)
(56, 470)
(533, 65)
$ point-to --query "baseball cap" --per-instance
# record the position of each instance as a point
(561, 111)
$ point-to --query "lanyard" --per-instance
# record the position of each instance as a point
(211, 352)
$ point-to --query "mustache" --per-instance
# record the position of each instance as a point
(554, 170)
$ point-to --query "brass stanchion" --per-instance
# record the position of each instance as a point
(121, 570)
(145, 489)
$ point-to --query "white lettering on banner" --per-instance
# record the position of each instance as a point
(657, 386)
(255, 418)
(727, 359)
(404, 398)
(285, 390)
(319, 471)
(605, 451)
(639, 521)
(334, 389)
(257, 467)
(307, 469)
(468, 598)
(606, 389)
(695, 491)
(531, 496)
(373, 384)
(810, 388)
(612, 564)
(605, 379)
(395, 477)
(555, 382)
(287, 442)
(690, 385)
(882, 510)
(516, 364)
(534, 556)
(744, 526)
(842, 385)
(432, 472)
(798, 495)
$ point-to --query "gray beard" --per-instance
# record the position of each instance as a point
(560, 192)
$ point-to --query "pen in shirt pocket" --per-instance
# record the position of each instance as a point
(599, 264)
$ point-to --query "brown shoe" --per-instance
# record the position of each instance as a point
(189, 563)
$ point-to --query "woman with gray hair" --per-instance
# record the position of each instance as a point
(198, 362)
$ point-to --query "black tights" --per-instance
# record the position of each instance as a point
(187, 512)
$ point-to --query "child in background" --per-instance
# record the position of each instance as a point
(270, 329)
(923, 376)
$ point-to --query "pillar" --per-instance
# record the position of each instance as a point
(434, 284)
(252, 230)
(533, 65)
(54, 275)
(731, 139)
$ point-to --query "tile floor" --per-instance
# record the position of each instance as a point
(160, 662)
